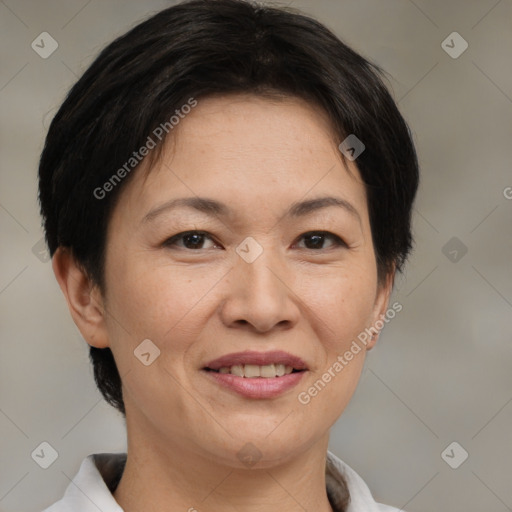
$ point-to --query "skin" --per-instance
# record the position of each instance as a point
(199, 302)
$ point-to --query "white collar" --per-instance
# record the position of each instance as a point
(91, 488)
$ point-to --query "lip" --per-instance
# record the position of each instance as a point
(256, 387)
(257, 358)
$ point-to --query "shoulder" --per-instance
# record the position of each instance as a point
(89, 491)
(361, 499)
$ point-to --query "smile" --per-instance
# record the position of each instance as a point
(251, 371)
(259, 375)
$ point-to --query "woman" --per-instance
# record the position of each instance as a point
(227, 196)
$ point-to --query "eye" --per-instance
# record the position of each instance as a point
(317, 238)
(191, 240)
(195, 240)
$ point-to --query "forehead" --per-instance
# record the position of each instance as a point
(243, 149)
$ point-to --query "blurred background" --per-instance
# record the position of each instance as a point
(429, 427)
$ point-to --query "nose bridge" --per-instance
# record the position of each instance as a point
(259, 262)
(259, 293)
(260, 276)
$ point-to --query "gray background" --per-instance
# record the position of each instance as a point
(441, 370)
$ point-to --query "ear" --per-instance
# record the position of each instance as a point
(84, 299)
(384, 290)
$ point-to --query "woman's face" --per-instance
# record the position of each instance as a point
(254, 279)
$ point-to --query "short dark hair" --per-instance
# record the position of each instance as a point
(201, 48)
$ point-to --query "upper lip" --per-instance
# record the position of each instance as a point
(257, 358)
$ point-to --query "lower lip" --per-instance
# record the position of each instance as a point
(257, 387)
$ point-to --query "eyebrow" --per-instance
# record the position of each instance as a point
(214, 208)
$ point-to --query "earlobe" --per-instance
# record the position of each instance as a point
(83, 297)
(381, 304)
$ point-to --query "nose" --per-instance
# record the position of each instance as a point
(260, 295)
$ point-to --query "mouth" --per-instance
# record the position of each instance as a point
(251, 364)
(251, 371)
(257, 375)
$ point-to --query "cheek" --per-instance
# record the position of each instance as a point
(159, 301)
(342, 303)
(342, 307)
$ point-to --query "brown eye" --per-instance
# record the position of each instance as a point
(315, 239)
(190, 240)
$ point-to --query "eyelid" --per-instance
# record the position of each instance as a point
(182, 234)
(339, 242)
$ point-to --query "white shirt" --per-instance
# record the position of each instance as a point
(91, 488)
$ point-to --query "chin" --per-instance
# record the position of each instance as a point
(264, 448)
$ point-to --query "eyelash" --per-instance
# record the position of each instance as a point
(170, 242)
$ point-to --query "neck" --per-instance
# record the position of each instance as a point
(176, 477)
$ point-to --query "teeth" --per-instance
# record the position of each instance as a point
(237, 370)
(280, 370)
(267, 371)
(252, 370)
